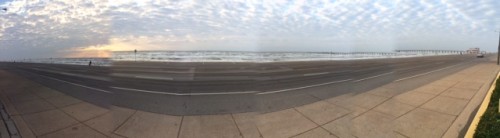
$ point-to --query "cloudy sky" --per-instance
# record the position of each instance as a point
(76, 28)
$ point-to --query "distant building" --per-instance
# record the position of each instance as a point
(473, 50)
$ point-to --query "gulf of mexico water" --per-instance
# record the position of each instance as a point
(238, 56)
(70, 61)
(227, 56)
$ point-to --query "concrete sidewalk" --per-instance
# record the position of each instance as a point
(439, 109)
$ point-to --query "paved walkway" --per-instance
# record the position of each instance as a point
(438, 109)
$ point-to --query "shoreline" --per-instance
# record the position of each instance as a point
(111, 61)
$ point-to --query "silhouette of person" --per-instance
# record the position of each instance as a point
(90, 63)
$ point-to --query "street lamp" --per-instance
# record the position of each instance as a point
(498, 51)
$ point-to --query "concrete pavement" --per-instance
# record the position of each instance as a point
(271, 86)
(438, 109)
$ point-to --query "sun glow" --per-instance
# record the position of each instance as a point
(115, 44)
(89, 53)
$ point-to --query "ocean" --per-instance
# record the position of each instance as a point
(229, 56)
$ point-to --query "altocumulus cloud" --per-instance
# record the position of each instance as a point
(39, 28)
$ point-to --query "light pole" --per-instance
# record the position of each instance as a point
(498, 52)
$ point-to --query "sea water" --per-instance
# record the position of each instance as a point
(228, 56)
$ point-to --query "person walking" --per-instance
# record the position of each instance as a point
(90, 63)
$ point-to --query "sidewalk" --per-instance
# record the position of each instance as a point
(438, 109)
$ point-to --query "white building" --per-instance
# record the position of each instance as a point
(473, 50)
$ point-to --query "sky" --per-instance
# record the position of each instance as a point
(93, 28)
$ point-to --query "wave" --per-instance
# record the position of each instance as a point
(229, 56)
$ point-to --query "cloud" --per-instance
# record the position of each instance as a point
(277, 25)
(44, 29)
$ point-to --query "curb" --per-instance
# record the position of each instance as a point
(9, 122)
(481, 110)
